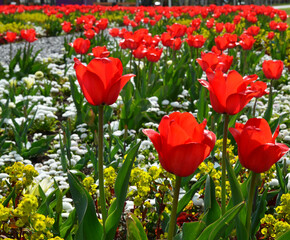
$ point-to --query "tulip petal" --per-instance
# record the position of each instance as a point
(209, 140)
(186, 121)
(183, 160)
(163, 129)
(234, 81)
(112, 94)
(262, 158)
(204, 83)
(92, 87)
(177, 135)
(263, 125)
(155, 138)
(256, 132)
(236, 134)
(105, 69)
(236, 102)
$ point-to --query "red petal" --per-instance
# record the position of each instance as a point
(183, 160)
(155, 138)
(112, 94)
(262, 158)
(177, 135)
(92, 87)
(236, 102)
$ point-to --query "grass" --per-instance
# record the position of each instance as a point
(288, 13)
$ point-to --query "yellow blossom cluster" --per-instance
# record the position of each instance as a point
(275, 225)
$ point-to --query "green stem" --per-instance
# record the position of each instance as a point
(150, 72)
(225, 137)
(101, 170)
(172, 223)
(250, 203)
(254, 107)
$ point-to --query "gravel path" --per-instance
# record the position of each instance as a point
(49, 45)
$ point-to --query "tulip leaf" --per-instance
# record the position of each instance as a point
(234, 118)
(285, 236)
(89, 226)
(217, 228)
(135, 230)
(191, 230)
(121, 187)
(280, 178)
(211, 207)
(202, 105)
(67, 226)
(189, 195)
(274, 124)
(259, 213)
(237, 197)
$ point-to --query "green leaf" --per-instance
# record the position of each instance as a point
(89, 226)
(280, 179)
(192, 230)
(189, 195)
(121, 187)
(9, 197)
(202, 105)
(274, 124)
(285, 236)
(67, 226)
(259, 213)
(217, 228)
(237, 197)
(211, 207)
(135, 230)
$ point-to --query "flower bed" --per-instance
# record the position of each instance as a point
(144, 123)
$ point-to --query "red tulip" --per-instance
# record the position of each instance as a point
(256, 146)
(100, 52)
(215, 62)
(10, 37)
(273, 25)
(166, 39)
(196, 41)
(270, 35)
(229, 94)
(90, 33)
(114, 32)
(176, 44)
(153, 54)
(253, 30)
(101, 81)
(282, 26)
(140, 52)
(230, 27)
(273, 69)
(28, 35)
(247, 41)
(219, 27)
(177, 30)
(81, 45)
(182, 144)
(66, 26)
(260, 87)
(102, 23)
(221, 42)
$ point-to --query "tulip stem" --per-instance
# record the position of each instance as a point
(225, 138)
(254, 107)
(250, 203)
(172, 223)
(270, 103)
(101, 170)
